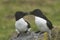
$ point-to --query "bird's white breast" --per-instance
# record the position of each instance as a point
(21, 25)
(41, 23)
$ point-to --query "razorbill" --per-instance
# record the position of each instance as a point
(22, 26)
(42, 22)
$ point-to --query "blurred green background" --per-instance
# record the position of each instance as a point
(51, 8)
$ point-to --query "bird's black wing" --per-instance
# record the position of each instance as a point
(49, 24)
(28, 25)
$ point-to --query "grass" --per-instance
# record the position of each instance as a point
(8, 7)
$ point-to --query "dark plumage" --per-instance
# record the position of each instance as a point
(19, 14)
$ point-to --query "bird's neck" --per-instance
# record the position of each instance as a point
(37, 17)
(21, 19)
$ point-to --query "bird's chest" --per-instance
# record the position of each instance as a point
(21, 25)
(41, 23)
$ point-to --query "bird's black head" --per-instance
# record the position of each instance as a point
(19, 15)
(36, 12)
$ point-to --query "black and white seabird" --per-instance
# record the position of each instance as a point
(22, 26)
(42, 22)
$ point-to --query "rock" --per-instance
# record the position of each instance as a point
(27, 36)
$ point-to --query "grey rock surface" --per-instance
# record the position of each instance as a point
(27, 36)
